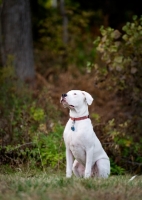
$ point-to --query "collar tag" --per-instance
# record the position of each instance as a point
(72, 127)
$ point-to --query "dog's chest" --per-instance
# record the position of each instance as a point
(74, 142)
(77, 150)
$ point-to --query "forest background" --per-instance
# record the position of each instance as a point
(48, 47)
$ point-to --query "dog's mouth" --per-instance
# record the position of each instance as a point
(65, 104)
(71, 106)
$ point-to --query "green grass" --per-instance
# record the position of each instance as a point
(50, 186)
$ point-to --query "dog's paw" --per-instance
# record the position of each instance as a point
(68, 175)
(87, 175)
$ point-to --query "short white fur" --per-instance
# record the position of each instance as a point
(85, 155)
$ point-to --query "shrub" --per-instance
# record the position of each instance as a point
(121, 53)
(53, 51)
(122, 73)
(28, 123)
(51, 148)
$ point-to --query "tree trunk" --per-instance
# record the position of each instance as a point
(17, 37)
(65, 22)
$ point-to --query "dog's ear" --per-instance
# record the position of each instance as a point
(88, 97)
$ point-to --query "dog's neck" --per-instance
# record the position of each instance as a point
(79, 112)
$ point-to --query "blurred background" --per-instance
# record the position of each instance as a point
(48, 47)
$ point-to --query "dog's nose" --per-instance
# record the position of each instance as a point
(64, 95)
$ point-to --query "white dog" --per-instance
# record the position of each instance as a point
(81, 141)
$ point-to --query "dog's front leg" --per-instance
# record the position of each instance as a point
(88, 167)
(69, 163)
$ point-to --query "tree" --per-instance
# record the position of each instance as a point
(65, 21)
(17, 37)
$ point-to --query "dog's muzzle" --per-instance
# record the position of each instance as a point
(63, 98)
(64, 101)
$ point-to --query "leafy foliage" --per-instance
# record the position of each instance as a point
(25, 122)
(122, 148)
(30, 132)
(122, 73)
(51, 148)
(121, 54)
(21, 113)
(51, 48)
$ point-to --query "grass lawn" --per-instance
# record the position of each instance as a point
(46, 186)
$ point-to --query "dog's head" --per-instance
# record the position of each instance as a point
(76, 100)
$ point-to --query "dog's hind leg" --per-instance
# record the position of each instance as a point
(78, 169)
(103, 168)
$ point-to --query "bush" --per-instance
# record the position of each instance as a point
(51, 148)
(53, 51)
(122, 74)
(121, 53)
(28, 124)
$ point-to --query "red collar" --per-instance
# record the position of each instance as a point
(79, 118)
